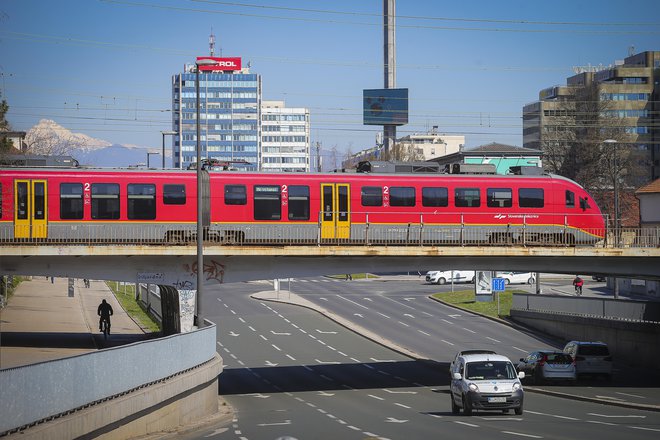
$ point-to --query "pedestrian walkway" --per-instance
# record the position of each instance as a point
(42, 322)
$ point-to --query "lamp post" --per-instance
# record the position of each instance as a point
(200, 229)
(613, 142)
(148, 155)
(166, 133)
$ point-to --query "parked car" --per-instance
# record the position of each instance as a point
(485, 382)
(517, 277)
(447, 276)
(464, 352)
(590, 358)
(545, 365)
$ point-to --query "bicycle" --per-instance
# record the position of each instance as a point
(578, 290)
(105, 327)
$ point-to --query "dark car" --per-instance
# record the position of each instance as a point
(598, 277)
(546, 365)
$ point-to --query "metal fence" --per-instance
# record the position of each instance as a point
(36, 392)
(628, 310)
(372, 231)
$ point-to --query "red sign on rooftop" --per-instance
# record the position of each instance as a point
(220, 64)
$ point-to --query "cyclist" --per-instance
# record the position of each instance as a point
(104, 311)
(577, 282)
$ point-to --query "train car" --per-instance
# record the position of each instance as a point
(140, 206)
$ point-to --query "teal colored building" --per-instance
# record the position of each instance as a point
(501, 155)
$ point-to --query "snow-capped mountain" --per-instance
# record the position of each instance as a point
(50, 138)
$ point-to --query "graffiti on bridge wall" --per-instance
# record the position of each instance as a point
(212, 270)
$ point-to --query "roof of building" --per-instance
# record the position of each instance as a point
(653, 187)
(497, 148)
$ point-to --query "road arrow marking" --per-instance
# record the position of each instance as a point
(270, 364)
(326, 333)
(234, 333)
(358, 314)
(324, 394)
(409, 315)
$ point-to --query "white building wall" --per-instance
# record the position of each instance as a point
(285, 138)
(433, 145)
(649, 208)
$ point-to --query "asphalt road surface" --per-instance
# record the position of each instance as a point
(291, 373)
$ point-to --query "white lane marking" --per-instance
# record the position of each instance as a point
(424, 333)
(404, 324)
(259, 395)
(341, 421)
(466, 424)
(632, 416)
(467, 329)
(325, 394)
(251, 328)
(242, 320)
(399, 392)
(454, 316)
(519, 349)
(323, 376)
(354, 428)
(630, 395)
(384, 315)
(342, 353)
(447, 321)
(427, 313)
(383, 360)
(375, 397)
(290, 357)
(332, 348)
(263, 337)
(446, 342)
(368, 299)
(327, 362)
(358, 315)
(644, 429)
(295, 326)
(608, 397)
(409, 315)
(598, 422)
(551, 415)
(322, 411)
(393, 420)
(321, 342)
(521, 434)
(216, 432)
(402, 405)
(493, 339)
(353, 302)
(233, 312)
(331, 416)
(515, 419)
(326, 333)
(233, 356)
(286, 422)
(280, 333)
(410, 298)
(276, 347)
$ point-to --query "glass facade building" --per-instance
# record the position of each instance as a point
(230, 106)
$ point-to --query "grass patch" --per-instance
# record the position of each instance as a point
(125, 294)
(465, 299)
(8, 285)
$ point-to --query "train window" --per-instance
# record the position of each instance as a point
(435, 196)
(105, 201)
(530, 198)
(141, 201)
(402, 196)
(328, 215)
(267, 202)
(174, 194)
(71, 201)
(342, 203)
(235, 195)
(570, 199)
(372, 196)
(499, 198)
(22, 200)
(467, 197)
(298, 202)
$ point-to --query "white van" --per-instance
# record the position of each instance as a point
(447, 276)
(485, 382)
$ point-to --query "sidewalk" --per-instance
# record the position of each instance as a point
(41, 322)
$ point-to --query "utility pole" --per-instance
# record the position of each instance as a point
(318, 157)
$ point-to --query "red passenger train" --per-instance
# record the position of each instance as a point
(87, 205)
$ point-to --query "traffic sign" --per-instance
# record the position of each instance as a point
(499, 285)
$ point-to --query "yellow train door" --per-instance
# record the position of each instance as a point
(30, 209)
(335, 211)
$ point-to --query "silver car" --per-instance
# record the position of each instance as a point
(590, 357)
(546, 365)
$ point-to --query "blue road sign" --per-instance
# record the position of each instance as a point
(499, 285)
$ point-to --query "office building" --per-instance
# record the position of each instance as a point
(230, 103)
(628, 93)
(285, 138)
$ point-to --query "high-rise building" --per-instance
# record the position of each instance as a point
(285, 137)
(230, 103)
(629, 91)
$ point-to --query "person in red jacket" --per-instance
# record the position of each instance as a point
(578, 282)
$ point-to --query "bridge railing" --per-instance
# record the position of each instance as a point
(363, 229)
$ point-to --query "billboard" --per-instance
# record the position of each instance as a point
(385, 106)
(233, 63)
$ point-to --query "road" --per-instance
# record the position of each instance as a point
(292, 372)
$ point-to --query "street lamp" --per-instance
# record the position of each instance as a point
(166, 133)
(200, 230)
(149, 154)
(613, 142)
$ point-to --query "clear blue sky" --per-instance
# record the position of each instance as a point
(104, 68)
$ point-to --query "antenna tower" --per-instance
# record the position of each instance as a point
(212, 42)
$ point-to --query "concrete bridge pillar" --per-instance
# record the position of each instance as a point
(177, 309)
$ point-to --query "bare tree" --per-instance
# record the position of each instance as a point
(5, 144)
(402, 152)
(50, 143)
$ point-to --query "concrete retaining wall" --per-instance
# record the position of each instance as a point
(632, 343)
